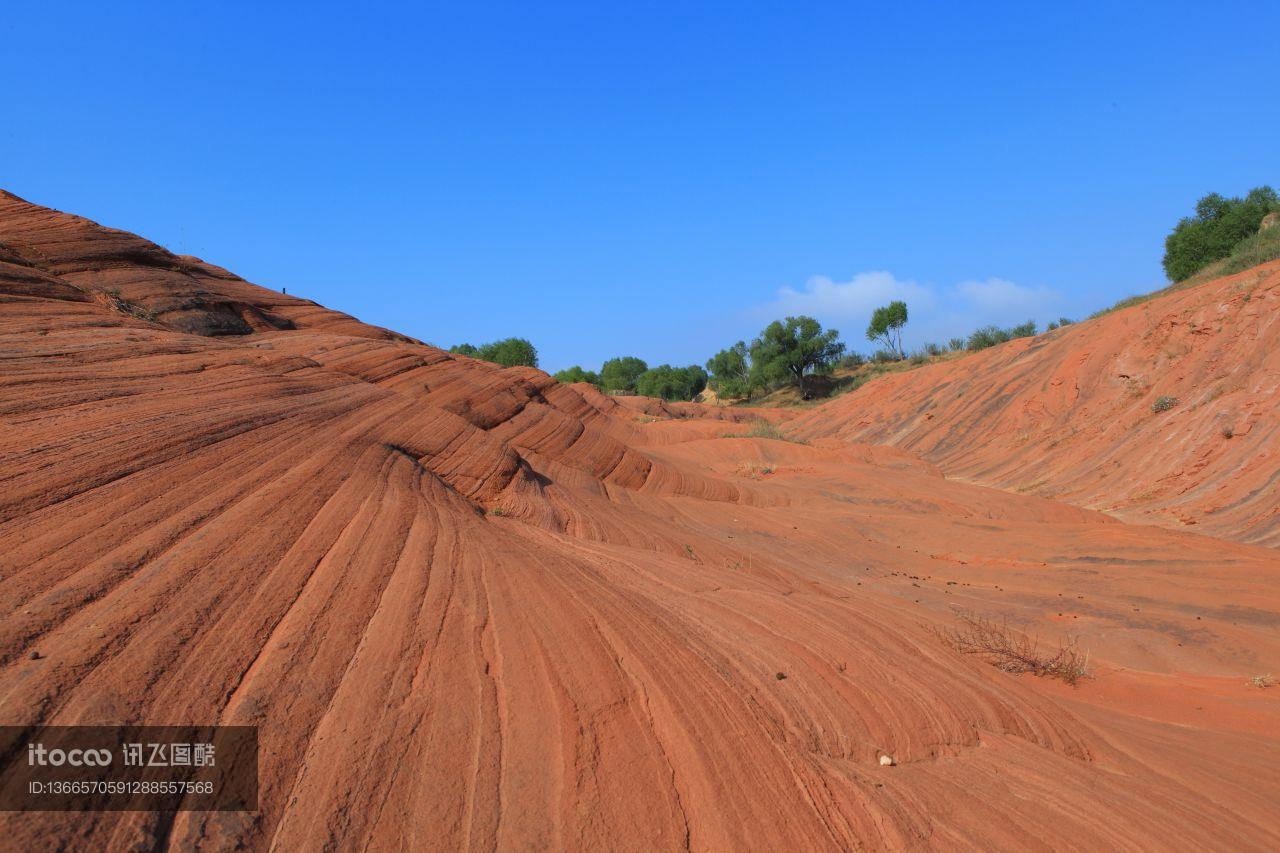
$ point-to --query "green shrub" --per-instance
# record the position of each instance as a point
(1164, 404)
(987, 336)
(508, 352)
(1218, 226)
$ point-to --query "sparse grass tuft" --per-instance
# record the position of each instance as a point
(1251, 251)
(1263, 681)
(1011, 650)
(133, 309)
(760, 428)
(754, 470)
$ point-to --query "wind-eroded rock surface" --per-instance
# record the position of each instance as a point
(473, 608)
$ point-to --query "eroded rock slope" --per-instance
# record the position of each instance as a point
(473, 608)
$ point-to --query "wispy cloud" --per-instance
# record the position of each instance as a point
(937, 312)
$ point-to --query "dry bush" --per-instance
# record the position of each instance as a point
(1011, 650)
(760, 428)
(753, 470)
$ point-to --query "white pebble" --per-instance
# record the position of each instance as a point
(886, 761)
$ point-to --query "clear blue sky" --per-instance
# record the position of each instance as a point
(648, 179)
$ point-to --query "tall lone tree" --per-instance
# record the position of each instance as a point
(886, 325)
(793, 348)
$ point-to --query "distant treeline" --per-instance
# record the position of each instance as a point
(631, 375)
(786, 352)
(793, 350)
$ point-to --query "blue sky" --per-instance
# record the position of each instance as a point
(648, 179)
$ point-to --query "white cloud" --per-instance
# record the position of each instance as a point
(998, 295)
(857, 297)
(937, 312)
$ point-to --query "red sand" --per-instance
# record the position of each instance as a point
(473, 608)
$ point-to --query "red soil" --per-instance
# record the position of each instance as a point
(471, 607)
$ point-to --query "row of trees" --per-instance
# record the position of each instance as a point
(786, 352)
(630, 375)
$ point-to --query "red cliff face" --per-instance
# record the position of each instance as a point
(470, 607)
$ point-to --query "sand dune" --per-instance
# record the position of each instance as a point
(473, 608)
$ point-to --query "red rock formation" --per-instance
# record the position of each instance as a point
(1073, 414)
(473, 608)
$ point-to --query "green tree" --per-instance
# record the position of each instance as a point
(790, 349)
(510, 352)
(730, 372)
(886, 325)
(1220, 223)
(620, 374)
(576, 374)
(672, 383)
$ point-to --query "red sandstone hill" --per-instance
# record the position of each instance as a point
(473, 608)
(1167, 411)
